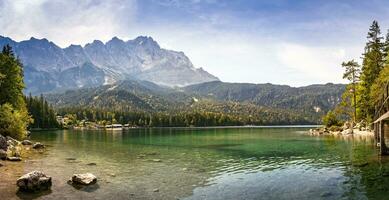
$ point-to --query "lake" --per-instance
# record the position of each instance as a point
(204, 163)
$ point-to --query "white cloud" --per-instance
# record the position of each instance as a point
(234, 49)
(321, 63)
(66, 22)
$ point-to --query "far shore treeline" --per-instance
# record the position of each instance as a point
(368, 82)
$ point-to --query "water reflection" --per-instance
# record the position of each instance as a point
(216, 163)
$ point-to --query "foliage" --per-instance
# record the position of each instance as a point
(373, 59)
(12, 84)
(13, 122)
(380, 85)
(43, 113)
(244, 103)
(352, 72)
(14, 117)
(331, 119)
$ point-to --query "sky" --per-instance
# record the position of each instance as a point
(271, 41)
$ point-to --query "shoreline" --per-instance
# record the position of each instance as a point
(344, 132)
(197, 127)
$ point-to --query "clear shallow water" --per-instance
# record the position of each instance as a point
(205, 163)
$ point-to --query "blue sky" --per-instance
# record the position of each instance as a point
(278, 41)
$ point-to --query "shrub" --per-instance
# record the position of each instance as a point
(13, 122)
(330, 119)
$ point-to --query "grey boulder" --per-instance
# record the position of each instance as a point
(84, 179)
(34, 181)
(26, 142)
(14, 158)
(38, 145)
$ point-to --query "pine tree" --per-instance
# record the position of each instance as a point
(14, 116)
(373, 60)
(352, 71)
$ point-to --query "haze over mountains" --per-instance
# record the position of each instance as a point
(48, 68)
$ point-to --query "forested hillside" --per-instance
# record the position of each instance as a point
(242, 104)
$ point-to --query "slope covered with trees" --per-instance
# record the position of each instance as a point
(241, 104)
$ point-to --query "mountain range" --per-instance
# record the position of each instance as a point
(49, 68)
(139, 75)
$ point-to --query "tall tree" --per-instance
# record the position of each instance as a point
(386, 47)
(14, 116)
(352, 71)
(373, 60)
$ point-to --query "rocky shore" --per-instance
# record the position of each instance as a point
(346, 130)
(11, 150)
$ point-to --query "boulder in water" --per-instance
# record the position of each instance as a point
(84, 179)
(14, 158)
(26, 142)
(38, 145)
(34, 181)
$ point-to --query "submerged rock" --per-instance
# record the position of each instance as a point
(3, 143)
(84, 179)
(38, 145)
(34, 181)
(14, 158)
(26, 142)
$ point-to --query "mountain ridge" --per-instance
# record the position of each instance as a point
(141, 58)
(306, 103)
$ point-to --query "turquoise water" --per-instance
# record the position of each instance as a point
(205, 163)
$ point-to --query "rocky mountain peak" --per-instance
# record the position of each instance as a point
(53, 68)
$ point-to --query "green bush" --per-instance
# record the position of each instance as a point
(13, 122)
(330, 119)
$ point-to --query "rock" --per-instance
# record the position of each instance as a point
(34, 181)
(346, 125)
(347, 132)
(14, 158)
(3, 154)
(84, 179)
(26, 142)
(13, 151)
(3, 143)
(38, 145)
(12, 141)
